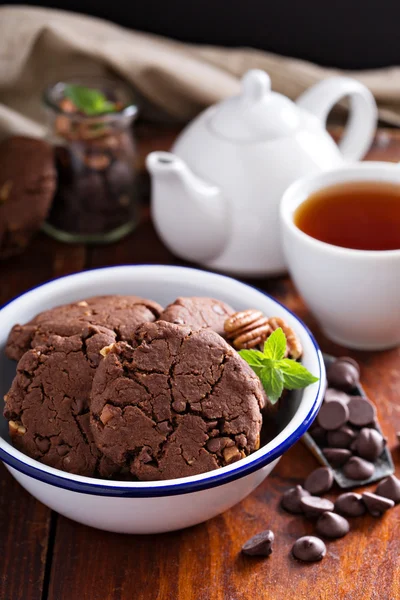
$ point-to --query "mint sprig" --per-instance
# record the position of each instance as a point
(276, 372)
(89, 101)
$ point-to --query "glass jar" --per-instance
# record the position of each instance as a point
(95, 201)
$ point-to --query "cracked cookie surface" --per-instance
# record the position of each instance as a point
(121, 314)
(178, 402)
(198, 312)
(47, 405)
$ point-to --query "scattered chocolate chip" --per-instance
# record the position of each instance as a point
(291, 499)
(343, 374)
(389, 488)
(319, 481)
(359, 469)
(350, 504)
(369, 443)
(309, 549)
(361, 411)
(314, 506)
(319, 435)
(332, 394)
(332, 525)
(336, 456)
(260, 544)
(341, 438)
(333, 414)
(376, 505)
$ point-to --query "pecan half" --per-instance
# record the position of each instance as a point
(247, 329)
(294, 348)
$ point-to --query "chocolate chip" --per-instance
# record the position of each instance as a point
(332, 394)
(376, 505)
(389, 488)
(319, 481)
(332, 525)
(357, 468)
(291, 499)
(309, 549)
(332, 415)
(260, 544)
(350, 504)
(43, 444)
(341, 438)
(314, 506)
(361, 411)
(343, 374)
(336, 456)
(318, 434)
(369, 443)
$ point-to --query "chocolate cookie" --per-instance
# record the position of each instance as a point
(121, 314)
(198, 312)
(177, 403)
(47, 405)
(27, 186)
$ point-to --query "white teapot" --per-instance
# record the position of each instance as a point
(215, 197)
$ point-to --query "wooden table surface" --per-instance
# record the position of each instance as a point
(46, 556)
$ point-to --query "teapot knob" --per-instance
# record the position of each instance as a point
(255, 84)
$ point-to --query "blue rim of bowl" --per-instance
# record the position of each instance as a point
(214, 480)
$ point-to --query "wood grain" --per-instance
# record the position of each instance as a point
(203, 562)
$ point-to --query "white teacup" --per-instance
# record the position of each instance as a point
(354, 294)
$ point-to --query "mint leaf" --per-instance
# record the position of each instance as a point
(89, 101)
(295, 375)
(272, 381)
(252, 357)
(275, 372)
(275, 346)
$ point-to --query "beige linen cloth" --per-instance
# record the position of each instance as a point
(176, 80)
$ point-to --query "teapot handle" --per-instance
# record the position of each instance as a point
(360, 129)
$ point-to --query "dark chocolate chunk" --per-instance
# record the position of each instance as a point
(309, 549)
(336, 456)
(350, 504)
(361, 411)
(389, 488)
(260, 544)
(332, 525)
(319, 481)
(376, 505)
(333, 414)
(343, 374)
(291, 499)
(332, 394)
(314, 506)
(369, 443)
(319, 435)
(359, 469)
(340, 438)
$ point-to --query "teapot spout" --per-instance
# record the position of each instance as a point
(190, 215)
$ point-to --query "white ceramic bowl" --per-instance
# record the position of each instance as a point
(154, 507)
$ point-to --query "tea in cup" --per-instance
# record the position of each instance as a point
(341, 237)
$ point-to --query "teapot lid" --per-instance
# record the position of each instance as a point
(256, 114)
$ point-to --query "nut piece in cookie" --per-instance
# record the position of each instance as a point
(27, 186)
(121, 314)
(47, 405)
(180, 401)
(198, 312)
